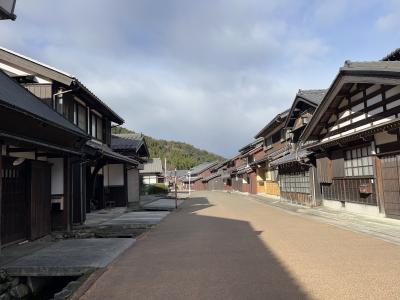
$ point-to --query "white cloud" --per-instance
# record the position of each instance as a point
(389, 22)
(327, 11)
(211, 73)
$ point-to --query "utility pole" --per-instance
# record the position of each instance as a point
(176, 193)
(189, 182)
(165, 170)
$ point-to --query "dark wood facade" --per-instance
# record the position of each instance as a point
(26, 152)
(75, 102)
(274, 146)
(390, 184)
(296, 169)
(354, 133)
(50, 173)
(295, 183)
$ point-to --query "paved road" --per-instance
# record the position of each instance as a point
(221, 246)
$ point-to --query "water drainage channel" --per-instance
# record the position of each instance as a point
(39, 288)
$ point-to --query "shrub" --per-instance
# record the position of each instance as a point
(158, 188)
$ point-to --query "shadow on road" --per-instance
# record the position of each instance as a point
(196, 255)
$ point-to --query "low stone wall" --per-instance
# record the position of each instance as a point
(13, 287)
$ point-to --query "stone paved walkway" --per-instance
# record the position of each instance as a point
(69, 257)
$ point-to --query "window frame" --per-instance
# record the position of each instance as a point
(358, 162)
(296, 182)
(94, 127)
(268, 143)
(77, 116)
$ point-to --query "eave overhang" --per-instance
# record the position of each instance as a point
(300, 97)
(352, 73)
(41, 144)
(98, 150)
(394, 124)
(275, 122)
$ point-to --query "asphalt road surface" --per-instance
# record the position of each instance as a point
(228, 246)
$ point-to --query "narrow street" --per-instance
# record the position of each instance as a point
(229, 246)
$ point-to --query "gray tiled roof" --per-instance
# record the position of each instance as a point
(108, 152)
(192, 178)
(220, 165)
(71, 79)
(252, 144)
(372, 66)
(212, 176)
(179, 173)
(15, 96)
(202, 167)
(302, 153)
(126, 141)
(153, 165)
(314, 96)
(282, 115)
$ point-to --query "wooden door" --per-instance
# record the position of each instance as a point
(99, 192)
(14, 206)
(78, 193)
(40, 199)
(253, 183)
(391, 185)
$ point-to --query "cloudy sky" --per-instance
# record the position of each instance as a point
(210, 72)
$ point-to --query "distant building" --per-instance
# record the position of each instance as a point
(132, 145)
(180, 175)
(152, 172)
(198, 173)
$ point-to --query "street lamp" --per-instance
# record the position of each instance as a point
(7, 9)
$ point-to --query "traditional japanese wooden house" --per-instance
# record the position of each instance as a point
(227, 176)
(355, 135)
(296, 169)
(235, 165)
(176, 177)
(197, 174)
(66, 95)
(274, 146)
(215, 181)
(250, 153)
(37, 159)
(152, 172)
(132, 145)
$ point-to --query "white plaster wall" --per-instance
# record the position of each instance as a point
(384, 138)
(105, 175)
(27, 155)
(113, 175)
(363, 209)
(133, 185)
(332, 204)
(150, 179)
(57, 175)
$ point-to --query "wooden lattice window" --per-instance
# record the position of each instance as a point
(358, 162)
(297, 182)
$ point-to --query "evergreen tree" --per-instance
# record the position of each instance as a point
(179, 155)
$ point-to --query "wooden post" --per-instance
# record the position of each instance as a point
(67, 193)
(379, 184)
(1, 185)
(126, 185)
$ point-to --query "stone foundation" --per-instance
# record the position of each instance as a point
(13, 287)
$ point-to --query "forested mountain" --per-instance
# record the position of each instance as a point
(183, 156)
